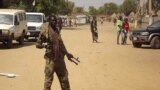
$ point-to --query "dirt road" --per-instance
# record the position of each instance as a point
(104, 65)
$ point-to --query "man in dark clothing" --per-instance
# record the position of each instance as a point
(54, 55)
(94, 29)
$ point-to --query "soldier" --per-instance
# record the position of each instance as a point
(94, 29)
(54, 55)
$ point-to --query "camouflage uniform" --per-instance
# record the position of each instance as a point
(54, 55)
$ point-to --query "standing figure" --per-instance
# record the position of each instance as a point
(70, 22)
(126, 29)
(101, 20)
(94, 29)
(114, 21)
(54, 55)
(59, 23)
(119, 28)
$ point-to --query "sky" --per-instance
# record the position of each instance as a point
(96, 3)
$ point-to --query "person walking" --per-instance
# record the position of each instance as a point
(54, 55)
(94, 30)
(126, 29)
(119, 28)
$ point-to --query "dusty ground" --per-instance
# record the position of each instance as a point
(104, 65)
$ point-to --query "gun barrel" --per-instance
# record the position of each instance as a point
(74, 62)
(77, 59)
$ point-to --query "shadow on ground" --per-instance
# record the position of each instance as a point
(16, 45)
(71, 28)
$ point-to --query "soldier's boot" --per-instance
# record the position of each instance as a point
(65, 86)
(64, 82)
(47, 85)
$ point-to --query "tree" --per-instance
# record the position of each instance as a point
(55, 6)
(156, 5)
(78, 10)
(128, 6)
(45, 6)
(111, 8)
(92, 10)
(108, 8)
(69, 7)
(101, 10)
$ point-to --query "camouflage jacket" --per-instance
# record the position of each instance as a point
(53, 43)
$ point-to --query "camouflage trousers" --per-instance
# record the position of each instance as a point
(59, 68)
(95, 36)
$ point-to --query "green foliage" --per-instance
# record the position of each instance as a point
(156, 5)
(92, 10)
(101, 10)
(78, 10)
(128, 6)
(108, 8)
(111, 8)
(46, 6)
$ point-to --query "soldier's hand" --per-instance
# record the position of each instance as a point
(69, 56)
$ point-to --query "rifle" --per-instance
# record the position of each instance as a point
(75, 60)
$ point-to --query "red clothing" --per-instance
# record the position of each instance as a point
(126, 27)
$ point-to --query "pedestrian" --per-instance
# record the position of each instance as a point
(54, 55)
(101, 20)
(94, 30)
(114, 21)
(75, 22)
(126, 29)
(59, 24)
(119, 28)
(70, 22)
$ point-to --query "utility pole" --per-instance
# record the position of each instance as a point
(150, 6)
(150, 12)
(138, 12)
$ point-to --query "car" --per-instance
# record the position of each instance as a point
(35, 23)
(13, 26)
(149, 36)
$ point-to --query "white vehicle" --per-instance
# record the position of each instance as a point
(35, 22)
(13, 26)
(81, 19)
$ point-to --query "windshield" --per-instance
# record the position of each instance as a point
(6, 19)
(155, 24)
(34, 18)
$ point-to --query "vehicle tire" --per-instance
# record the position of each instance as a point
(10, 43)
(155, 42)
(21, 40)
(137, 45)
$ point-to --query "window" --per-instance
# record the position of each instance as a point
(20, 17)
(34, 18)
(155, 24)
(6, 19)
